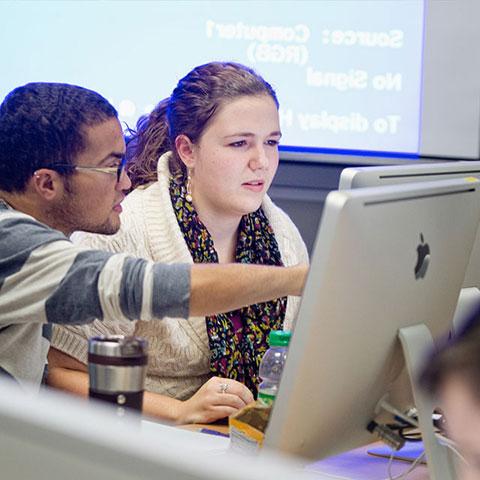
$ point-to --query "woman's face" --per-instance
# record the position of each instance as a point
(234, 161)
(462, 413)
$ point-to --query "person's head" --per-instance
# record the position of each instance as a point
(221, 123)
(452, 375)
(48, 133)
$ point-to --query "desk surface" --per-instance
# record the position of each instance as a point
(196, 427)
(359, 465)
(356, 464)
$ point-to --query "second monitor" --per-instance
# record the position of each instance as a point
(364, 177)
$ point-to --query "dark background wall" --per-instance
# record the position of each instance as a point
(300, 189)
(301, 186)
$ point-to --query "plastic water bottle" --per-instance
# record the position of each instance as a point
(271, 366)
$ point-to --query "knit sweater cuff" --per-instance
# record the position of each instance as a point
(70, 343)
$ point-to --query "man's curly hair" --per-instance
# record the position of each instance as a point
(43, 124)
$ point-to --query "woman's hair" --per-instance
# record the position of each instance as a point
(193, 104)
(147, 144)
(460, 356)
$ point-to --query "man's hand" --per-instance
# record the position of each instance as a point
(218, 398)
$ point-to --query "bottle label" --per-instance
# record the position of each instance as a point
(266, 399)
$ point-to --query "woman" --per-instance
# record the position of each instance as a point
(201, 164)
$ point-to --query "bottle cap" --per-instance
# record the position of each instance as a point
(279, 338)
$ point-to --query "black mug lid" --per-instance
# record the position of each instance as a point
(118, 346)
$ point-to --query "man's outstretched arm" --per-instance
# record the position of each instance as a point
(222, 288)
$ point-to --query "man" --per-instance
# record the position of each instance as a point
(61, 170)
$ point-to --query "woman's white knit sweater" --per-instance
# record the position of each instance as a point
(179, 355)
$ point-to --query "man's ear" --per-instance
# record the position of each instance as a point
(47, 183)
(186, 151)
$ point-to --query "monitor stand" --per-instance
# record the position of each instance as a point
(416, 340)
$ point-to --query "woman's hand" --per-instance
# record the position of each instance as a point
(218, 398)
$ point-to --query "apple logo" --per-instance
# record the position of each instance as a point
(423, 258)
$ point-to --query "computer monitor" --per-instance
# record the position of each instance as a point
(56, 436)
(362, 177)
(385, 258)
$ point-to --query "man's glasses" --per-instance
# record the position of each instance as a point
(110, 170)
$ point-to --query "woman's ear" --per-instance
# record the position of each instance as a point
(47, 183)
(186, 150)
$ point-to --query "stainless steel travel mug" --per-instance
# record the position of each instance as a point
(117, 366)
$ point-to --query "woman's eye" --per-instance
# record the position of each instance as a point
(240, 143)
(273, 143)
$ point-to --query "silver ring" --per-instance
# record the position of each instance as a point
(223, 387)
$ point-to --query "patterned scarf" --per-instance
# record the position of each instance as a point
(237, 339)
